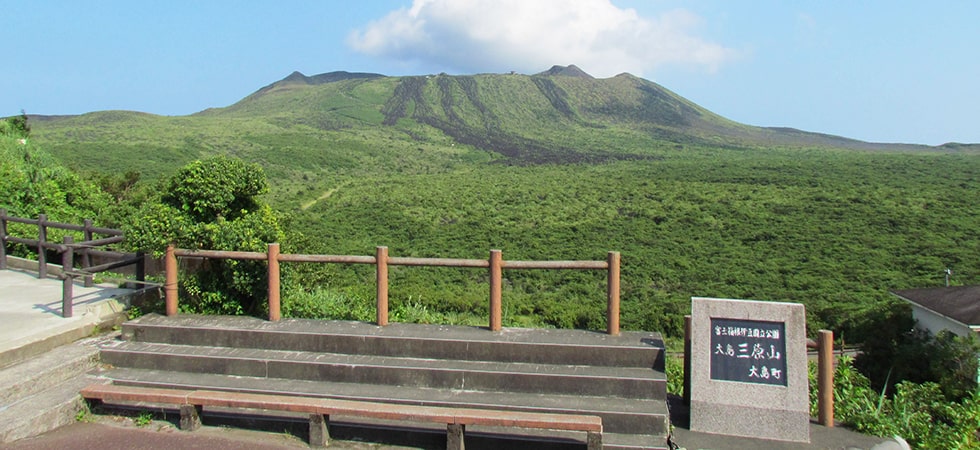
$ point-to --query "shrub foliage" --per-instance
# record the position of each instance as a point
(213, 204)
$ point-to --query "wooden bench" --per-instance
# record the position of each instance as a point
(192, 402)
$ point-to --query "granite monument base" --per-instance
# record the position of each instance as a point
(749, 369)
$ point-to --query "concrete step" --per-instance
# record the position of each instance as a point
(40, 394)
(49, 369)
(622, 382)
(574, 347)
(628, 422)
(51, 408)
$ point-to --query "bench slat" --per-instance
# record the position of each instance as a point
(327, 406)
(519, 419)
(254, 401)
(115, 393)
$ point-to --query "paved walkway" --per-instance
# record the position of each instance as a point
(31, 312)
(124, 435)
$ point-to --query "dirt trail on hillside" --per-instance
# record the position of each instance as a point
(324, 196)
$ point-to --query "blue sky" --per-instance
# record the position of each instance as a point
(882, 71)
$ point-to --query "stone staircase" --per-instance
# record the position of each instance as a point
(40, 394)
(619, 378)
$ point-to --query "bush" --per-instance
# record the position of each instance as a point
(212, 204)
(32, 183)
(674, 368)
(919, 413)
(952, 361)
(327, 304)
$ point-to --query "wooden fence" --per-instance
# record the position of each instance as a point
(88, 248)
(495, 264)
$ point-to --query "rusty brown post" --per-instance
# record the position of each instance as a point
(141, 267)
(67, 282)
(496, 278)
(42, 236)
(86, 257)
(170, 283)
(274, 291)
(3, 239)
(825, 378)
(687, 360)
(612, 308)
(381, 259)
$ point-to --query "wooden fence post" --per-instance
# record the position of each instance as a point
(496, 279)
(170, 282)
(274, 291)
(67, 281)
(3, 239)
(612, 308)
(86, 257)
(381, 260)
(825, 378)
(42, 236)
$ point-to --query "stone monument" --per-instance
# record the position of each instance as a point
(749, 369)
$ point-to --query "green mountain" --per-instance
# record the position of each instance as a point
(342, 119)
(560, 165)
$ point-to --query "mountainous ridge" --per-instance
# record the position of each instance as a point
(297, 78)
(562, 115)
(566, 71)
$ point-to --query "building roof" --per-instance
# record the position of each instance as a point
(960, 303)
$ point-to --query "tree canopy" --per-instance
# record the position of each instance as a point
(15, 126)
(212, 204)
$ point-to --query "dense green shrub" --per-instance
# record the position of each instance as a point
(15, 126)
(213, 204)
(919, 413)
(33, 183)
(894, 356)
(674, 369)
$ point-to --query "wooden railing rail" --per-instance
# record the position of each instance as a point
(86, 249)
(381, 260)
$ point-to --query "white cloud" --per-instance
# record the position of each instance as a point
(531, 35)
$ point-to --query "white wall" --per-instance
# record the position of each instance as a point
(934, 323)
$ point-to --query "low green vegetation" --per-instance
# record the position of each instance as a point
(143, 419)
(33, 183)
(891, 389)
(918, 412)
(542, 168)
(833, 230)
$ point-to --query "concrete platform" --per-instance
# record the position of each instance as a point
(31, 312)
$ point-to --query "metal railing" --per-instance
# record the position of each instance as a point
(88, 248)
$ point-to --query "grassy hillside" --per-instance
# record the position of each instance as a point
(833, 230)
(565, 166)
(33, 183)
